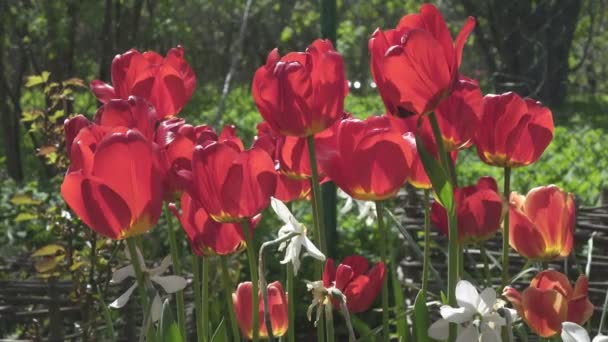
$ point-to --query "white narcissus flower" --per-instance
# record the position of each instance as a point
(367, 209)
(170, 283)
(294, 245)
(572, 332)
(476, 312)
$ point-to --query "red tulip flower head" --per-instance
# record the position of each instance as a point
(114, 183)
(206, 236)
(478, 208)
(368, 159)
(232, 184)
(415, 66)
(513, 132)
(277, 304)
(301, 93)
(167, 83)
(459, 114)
(550, 300)
(360, 284)
(135, 112)
(542, 223)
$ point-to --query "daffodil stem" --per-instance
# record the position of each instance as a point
(319, 224)
(427, 241)
(329, 324)
(198, 297)
(205, 281)
(349, 323)
(453, 246)
(384, 254)
(227, 284)
(177, 270)
(253, 269)
(505, 229)
(263, 285)
(291, 333)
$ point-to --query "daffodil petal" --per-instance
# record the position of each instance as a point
(313, 251)
(487, 300)
(572, 332)
(124, 298)
(156, 308)
(467, 296)
(468, 334)
(122, 273)
(439, 330)
(455, 315)
(170, 284)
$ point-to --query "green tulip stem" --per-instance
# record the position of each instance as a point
(177, 270)
(253, 269)
(427, 241)
(505, 229)
(228, 287)
(198, 297)
(384, 254)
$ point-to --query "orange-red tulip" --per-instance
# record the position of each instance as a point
(132, 113)
(542, 223)
(301, 93)
(416, 65)
(114, 183)
(478, 208)
(277, 303)
(368, 159)
(550, 300)
(360, 284)
(232, 184)
(167, 83)
(206, 236)
(513, 132)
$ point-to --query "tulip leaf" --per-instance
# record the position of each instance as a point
(421, 318)
(365, 332)
(169, 331)
(438, 176)
(220, 333)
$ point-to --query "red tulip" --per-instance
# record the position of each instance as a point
(360, 284)
(478, 208)
(369, 160)
(550, 300)
(301, 93)
(72, 127)
(542, 223)
(277, 303)
(459, 114)
(416, 65)
(513, 132)
(167, 83)
(289, 189)
(115, 181)
(232, 184)
(132, 113)
(206, 236)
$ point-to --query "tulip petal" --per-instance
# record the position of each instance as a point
(544, 310)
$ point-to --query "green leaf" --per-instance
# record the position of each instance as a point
(23, 199)
(366, 333)
(421, 318)
(52, 249)
(169, 331)
(220, 333)
(438, 176)
(25, 217)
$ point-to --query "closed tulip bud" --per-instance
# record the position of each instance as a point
(550, 300)
(166, 82)
(368, 159)
(513, 132)
(114, 183)
(232, 184)
(277, 303)
(415, 65)
(301, 93)
(542, 223)
(353, 277)
(478, 209)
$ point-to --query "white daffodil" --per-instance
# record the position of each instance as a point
(170, 283)
(572, 332)
(294, 245)
(367, 209)
(477, 314)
